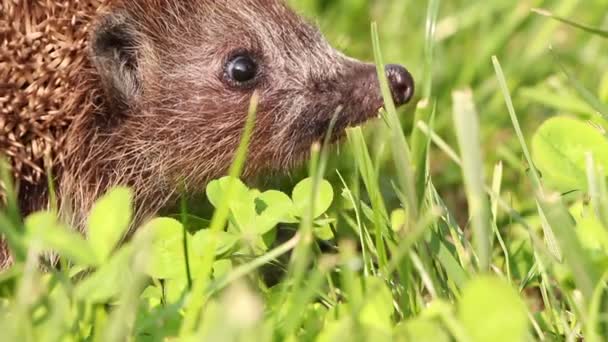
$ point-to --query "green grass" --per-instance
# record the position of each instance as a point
(466, 216)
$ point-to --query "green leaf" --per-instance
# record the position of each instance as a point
(174, 289)
(323, 232)
(491, 310)
(44, 228)
(216, 189)
(226, 243)
(242, 205)
(398, 219)
(167, 257)
(338, 330)
(421, 329)
(590, 231)
(109, 221)
(559, 148)
(108, 281)
(276, 207)
(582, 90)
(378, 307)
(302, 195)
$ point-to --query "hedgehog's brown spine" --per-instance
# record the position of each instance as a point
(43, 52)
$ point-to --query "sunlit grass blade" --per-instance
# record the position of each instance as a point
(538, 38)
(399, 145)
(582, 91)
(296, 292)
(456, 260)
(597, 190)
(220, 217)
(358, 227)
(564, 227)
(420, 143)
(467, 131)
(306, 295)
(496, 188)
(7, 186)
(184, 219)
(513, 214)
(251, 266)
(535, 178)
(370, 180)
(559, 221)
(592, 327)
(499, 33)
(429, 47)
(399, 252)
(549, 236)
(10, 218)
(568, 102)
(121, 320)
(593, 30)
(50, 181)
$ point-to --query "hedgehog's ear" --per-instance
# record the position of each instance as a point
(114, 52)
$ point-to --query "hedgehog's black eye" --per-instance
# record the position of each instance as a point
(241, 69)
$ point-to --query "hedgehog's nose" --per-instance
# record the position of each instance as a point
(401, 83)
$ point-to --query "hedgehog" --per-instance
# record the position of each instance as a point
(154, 95)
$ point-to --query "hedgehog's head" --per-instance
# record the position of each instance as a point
(179, 75)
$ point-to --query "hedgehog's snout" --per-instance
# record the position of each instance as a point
(401, 83)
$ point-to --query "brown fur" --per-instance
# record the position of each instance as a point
(166, 116)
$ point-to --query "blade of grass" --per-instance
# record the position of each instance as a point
(500, 33)
(121, 320)
(249, 267)
(592, 327)
(597, 190)
(420, 144)
(399, 145)
(535, 178)
(539, 37)
(350, 197)
(398, 253)
(184, 219)
(496, 187)
(467, 132)
(460, 257)
(10, 221)
(549, 14)
(558, 217)
(432, 11)
(560, 223)
(549, 236)
(513, 214)
(295, 291)
(307, 294)
(426, 278)
(197, 296)
(7, 182)
(370, 180)
(582, 91)
(562, 101)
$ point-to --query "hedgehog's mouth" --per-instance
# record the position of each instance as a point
(345, 122)
(338, 133)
